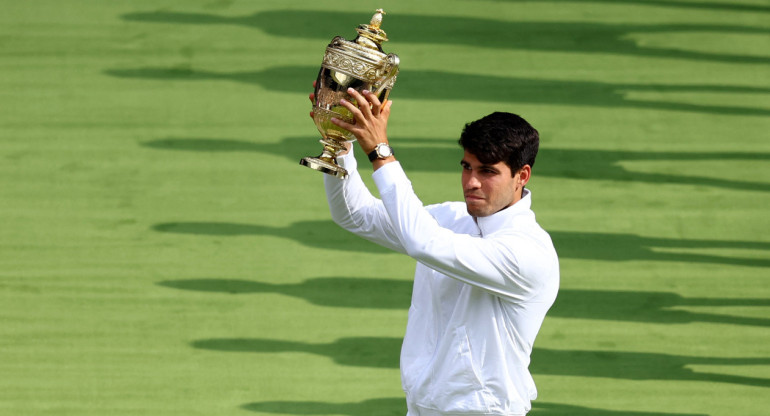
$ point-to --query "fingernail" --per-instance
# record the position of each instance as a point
(342, 100)
(365, 91)
(350, 89)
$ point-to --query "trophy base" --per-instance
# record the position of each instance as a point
(323, 166)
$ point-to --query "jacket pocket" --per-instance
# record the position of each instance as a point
(457, 385)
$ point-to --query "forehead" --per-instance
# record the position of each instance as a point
(474, 162)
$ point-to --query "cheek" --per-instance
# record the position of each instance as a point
(465, 178)
(504, 191)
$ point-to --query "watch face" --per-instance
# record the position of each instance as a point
(384, 151)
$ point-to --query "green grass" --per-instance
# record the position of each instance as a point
(163, 253)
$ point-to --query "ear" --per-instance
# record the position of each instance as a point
(524, 174)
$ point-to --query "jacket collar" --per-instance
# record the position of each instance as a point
(504, 218)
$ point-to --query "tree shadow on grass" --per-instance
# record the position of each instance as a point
(391, 406)
(433, 85)
(343, 292)
(653, 307)
(608, 305)
(558, 409)
(731, 6)
(569, 244)
(396, 406)
(427, 155)
(318, 234)
(376, 352)
(641, 366)
(383, 352)
(631, 247)
(567, 36)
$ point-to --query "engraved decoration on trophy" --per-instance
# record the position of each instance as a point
(361, 65)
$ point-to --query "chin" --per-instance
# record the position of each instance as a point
(475, 212)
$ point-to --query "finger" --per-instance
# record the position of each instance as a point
(312, 94)
(374, 101)
(353, 109)
(363, 103)
(345, 125)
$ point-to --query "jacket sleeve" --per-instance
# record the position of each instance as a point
(355, 209)
(514, 266)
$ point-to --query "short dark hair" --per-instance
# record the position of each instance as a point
(501, 137)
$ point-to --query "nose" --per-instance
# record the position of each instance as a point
(472, 182)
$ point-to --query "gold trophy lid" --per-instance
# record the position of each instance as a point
(371, 35)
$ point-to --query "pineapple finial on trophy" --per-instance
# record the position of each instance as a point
(377, 19)
(371, 35)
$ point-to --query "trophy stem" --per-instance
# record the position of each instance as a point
(326, 162)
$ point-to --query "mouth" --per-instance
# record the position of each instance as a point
(471, 198)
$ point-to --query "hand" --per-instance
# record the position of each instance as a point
(371, 119)
(312, 98)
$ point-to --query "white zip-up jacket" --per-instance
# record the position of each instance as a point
(482, 288)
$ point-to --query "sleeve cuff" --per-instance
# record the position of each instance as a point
(348, 161)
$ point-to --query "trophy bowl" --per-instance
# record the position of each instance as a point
(359, 64)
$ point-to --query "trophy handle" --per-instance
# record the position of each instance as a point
(391, 70)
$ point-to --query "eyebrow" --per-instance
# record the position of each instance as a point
(463, 162)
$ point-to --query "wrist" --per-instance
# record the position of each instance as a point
(380, 151)
(368, 148)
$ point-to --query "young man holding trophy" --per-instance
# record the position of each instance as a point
(486, 272)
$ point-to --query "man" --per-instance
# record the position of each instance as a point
(486, 272)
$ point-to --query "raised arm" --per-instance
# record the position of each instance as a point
(513, 265)
(354, 208)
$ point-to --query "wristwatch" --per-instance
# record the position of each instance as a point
(382, 151)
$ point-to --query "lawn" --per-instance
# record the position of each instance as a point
(162, 252)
